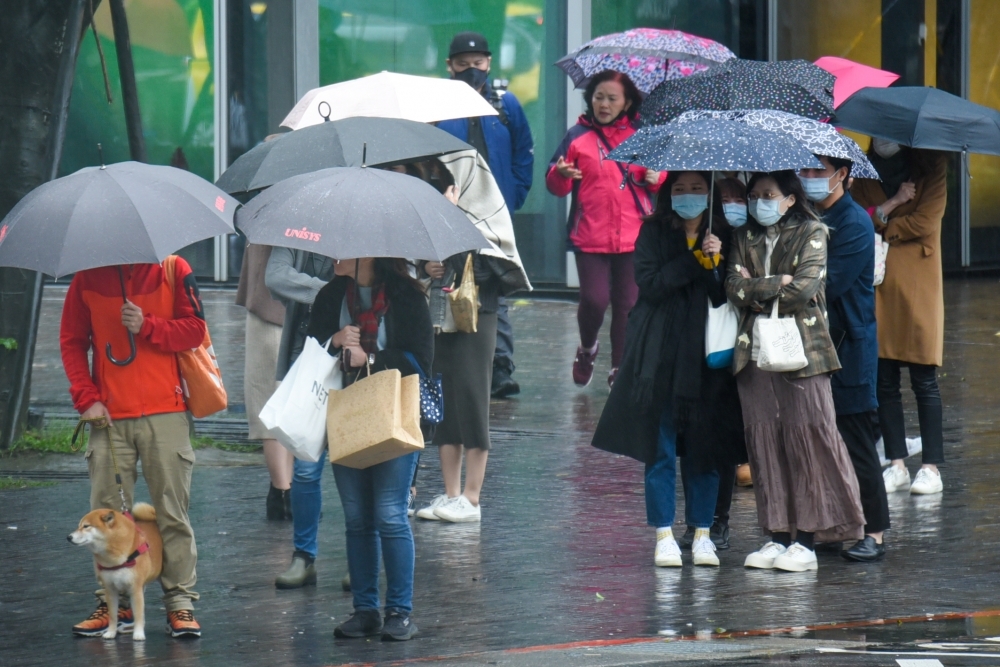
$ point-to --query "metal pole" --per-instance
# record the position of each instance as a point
(772, 30)
(963, 180)
(126, 72)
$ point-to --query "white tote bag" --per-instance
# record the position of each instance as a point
(296, 412)
(720, 335)
(780, 343)
(881, 252)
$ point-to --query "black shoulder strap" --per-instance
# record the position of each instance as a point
(624, 170)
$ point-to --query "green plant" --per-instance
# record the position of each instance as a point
(15, 484)
(205, 442)
(8, 344)
(50, 441)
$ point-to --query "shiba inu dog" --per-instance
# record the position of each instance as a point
(128, 554)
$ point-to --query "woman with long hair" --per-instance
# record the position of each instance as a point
(803, 479)
(667, 401)
(608, 203)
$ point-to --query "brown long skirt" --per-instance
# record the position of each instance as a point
(802, 474)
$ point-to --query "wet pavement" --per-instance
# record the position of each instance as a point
(560, 571)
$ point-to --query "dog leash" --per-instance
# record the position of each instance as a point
(102, 422)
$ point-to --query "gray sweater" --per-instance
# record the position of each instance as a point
(294, 278)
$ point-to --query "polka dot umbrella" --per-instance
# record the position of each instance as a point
(794, 86)
(819, 138)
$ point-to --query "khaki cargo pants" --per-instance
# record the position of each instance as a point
(163, 444)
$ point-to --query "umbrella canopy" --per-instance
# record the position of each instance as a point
(852, 77)
(795, 86)
(647, 55)
(389, 95)
(348, 142)
(819, 138)
(713, 145)
(922, 118)
(125, 213)
(352, 212)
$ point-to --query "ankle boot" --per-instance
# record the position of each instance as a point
(286, 499)
(275, 504)
(300, 573)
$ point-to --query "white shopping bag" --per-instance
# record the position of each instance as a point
(296, 412)
(720, 335)
(780, 343)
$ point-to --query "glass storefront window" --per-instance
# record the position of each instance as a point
(984, 88)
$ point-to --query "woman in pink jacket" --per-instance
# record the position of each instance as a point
(604, 217)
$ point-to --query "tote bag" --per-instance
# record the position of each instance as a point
(296, 412)
(881, 252)
(376, 419)
(464, 301)
(720, 335)
(780, 343)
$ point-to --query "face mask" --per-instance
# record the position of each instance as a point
(472, 76)
(689, 206)
(816, 189)
(767, 211)
(885, 148)
(736, 214)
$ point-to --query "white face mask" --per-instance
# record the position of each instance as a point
(767, 211)
(884, 147)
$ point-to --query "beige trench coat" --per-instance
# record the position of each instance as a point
(909, 304)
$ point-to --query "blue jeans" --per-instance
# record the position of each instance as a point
(700, 490)
(307, 503)
(374, 501)
(503, 356)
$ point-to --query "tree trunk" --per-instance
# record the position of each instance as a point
(39, 42)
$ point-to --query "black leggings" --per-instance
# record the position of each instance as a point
(923, 380)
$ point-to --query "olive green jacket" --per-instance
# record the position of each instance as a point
(800, 252)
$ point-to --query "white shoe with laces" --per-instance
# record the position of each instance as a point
(668, 553)
(427, 513)
(897, 478)
(796, 558)
(926, 482)
(763, 558)
(459, 510)
(703, 552)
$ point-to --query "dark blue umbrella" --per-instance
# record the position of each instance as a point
(714, 145)
(922, 118)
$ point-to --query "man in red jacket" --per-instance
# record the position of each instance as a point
(143, 403)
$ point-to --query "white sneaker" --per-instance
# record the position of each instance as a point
(428, 512)
(796, 559)
(763, 558)
(896, 479)
(459, 510)
(703, 552)
(668, 553)
(926, 482)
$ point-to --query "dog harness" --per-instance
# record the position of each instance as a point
(143, 548)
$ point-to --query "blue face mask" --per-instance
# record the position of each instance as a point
(767, 211)
(689, 206)
(736, 213)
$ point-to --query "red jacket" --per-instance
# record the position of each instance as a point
(92, 318)
(604, 217)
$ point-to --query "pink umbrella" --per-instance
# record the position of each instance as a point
(852, 77)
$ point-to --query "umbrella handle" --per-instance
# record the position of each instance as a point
(131, 355)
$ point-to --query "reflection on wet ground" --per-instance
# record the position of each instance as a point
(562, 555)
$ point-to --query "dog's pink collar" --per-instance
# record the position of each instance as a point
(143, 548)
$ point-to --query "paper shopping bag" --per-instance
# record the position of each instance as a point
(464, 301)
(376, 419)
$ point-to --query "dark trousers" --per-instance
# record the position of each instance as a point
(923, 380)
(605, 279)
(503, 356)
(858, 435)
(724, 500)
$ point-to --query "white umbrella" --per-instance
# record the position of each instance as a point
(389, 95)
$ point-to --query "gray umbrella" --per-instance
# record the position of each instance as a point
(348, 142)
(353, 212)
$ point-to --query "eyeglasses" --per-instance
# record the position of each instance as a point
(767, 196)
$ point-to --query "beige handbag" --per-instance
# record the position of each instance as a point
(780, 343)
(374, 420)
(464, 301)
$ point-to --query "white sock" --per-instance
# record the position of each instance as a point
(664, 533)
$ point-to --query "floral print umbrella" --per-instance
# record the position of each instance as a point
(713, 145)
(795, 86)
(647, 55)
(819, 138)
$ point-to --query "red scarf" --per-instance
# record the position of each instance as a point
(367, 320)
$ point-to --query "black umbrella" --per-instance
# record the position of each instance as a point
(922, 117)
(353, 212)
(125, 213)
(795, 86)
(339, 143)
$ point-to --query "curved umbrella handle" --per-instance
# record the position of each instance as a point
(131, 355)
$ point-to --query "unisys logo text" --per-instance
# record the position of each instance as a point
(303, 234)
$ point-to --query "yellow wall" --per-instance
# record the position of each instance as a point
(984, 88)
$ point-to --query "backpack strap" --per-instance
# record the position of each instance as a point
(170, 270)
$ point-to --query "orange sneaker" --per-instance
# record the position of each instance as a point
(97, 623)
(181, 623)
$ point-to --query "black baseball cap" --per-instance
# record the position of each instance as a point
(468, 42)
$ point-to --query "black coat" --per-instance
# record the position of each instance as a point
(674, 291)
(407, 323)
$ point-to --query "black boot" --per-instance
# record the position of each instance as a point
(286, 499)
(275, 505)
